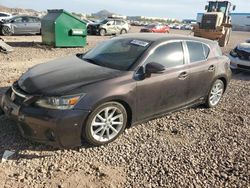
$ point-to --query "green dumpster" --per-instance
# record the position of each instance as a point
(62, 29)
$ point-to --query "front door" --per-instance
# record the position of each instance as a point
(19, 25)
(165, 91)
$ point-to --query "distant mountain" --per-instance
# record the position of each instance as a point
(102, 14)
(17, 10)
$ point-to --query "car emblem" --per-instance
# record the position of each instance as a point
(13, 96)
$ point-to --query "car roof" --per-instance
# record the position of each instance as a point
(161, 37)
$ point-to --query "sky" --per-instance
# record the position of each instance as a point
(179, 9)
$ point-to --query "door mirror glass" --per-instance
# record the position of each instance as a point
(154, 68)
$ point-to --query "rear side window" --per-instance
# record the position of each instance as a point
(169, 55)
(197, 51)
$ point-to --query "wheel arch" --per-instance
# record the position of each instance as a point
(223, 79)
(124, 102)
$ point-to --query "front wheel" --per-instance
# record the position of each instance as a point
(102, 32)
(215, 94)
(6, 31)
(105, 124)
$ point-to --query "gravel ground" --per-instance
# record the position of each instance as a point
(196, 147)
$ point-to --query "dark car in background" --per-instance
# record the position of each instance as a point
(156, 28)
(109, 26)
(126, 80)
(17, 25)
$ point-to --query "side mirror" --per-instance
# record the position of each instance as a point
(153, 68)
(234, 7)
(206, 7)
(108, 24)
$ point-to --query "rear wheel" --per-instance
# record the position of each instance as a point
(123, 31)
(6, 31)
(105, 124)
(215, 94)
(102, 32)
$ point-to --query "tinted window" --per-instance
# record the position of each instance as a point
(33, 19)
(169, 55)
(197, 51)
(18, 20)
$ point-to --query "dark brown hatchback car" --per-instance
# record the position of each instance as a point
(123, 81)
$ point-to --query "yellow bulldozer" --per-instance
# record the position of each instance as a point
(216, 22)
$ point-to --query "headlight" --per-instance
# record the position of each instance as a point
(60, 103)
(233, 53)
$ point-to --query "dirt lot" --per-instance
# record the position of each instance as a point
(196, 147)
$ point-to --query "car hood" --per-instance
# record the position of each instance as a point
(63, 75)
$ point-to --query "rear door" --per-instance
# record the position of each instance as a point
(118, 26)
(165, 91)
(33, 25)
(201, 70)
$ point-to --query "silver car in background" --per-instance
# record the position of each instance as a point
(20, 25)
(240, 57)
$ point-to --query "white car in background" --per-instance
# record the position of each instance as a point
(240, 56)
(4, 15)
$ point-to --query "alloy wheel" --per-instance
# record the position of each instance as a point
(216, 93)
(107, 124)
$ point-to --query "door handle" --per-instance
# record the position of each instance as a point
(183, 75)
(211, 68)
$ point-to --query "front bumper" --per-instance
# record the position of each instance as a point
(60, 128)
(237, 63)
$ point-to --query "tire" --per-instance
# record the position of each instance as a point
(215, 93)
(100, 129)
(123, 31)
(6, 31)
(102, 32)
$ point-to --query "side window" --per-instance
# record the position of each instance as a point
(18, 20)
(25, 19)
(118, 22)
(197, 51)
(111, 22)
(169, 55)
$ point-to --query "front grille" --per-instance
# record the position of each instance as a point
(209, 21)
(244, 67)
(243, 54)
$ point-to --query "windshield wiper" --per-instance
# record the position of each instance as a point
(90, 60)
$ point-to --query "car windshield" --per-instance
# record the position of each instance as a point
(217, 7)
(118, 54)
(104, 21)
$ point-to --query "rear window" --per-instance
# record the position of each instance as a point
(197, 51)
